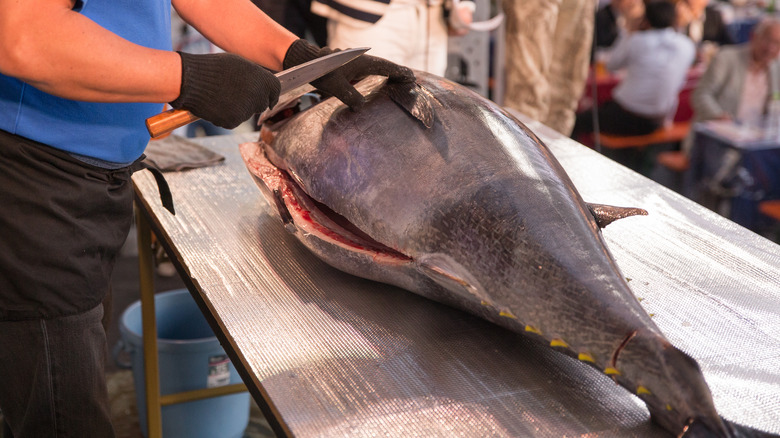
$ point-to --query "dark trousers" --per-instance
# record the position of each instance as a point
(614, 119)
(63, 223)
(53, 377)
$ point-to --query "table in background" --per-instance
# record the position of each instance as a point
(732, 170)
(325, 353)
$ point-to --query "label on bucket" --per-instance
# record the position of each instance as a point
(219, 371)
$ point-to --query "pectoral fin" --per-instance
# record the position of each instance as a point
(606, 214)
(284, 213)
(451, 276)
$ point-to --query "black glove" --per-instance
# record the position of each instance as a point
(337, 82)
(225, 89)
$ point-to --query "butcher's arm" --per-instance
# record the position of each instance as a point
(59, 51)
(238, 26)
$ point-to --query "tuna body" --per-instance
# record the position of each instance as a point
(475, 212)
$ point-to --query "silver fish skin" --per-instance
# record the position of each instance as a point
(474, 212)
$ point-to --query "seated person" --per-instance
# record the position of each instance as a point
(741, 79)
(616, 18)
(656, 60)
(702, 22)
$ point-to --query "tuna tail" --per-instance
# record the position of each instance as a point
(606, 214)
(698, 429)
(670, 383)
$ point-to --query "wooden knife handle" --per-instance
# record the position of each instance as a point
(167, 121)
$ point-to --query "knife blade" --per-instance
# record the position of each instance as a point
(167, 121)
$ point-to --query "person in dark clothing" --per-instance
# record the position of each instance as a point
(615, 18)
(702, 22)
(296, 16)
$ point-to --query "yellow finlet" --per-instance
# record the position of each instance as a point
(586, 357)
(611, 371)
(486, 303)
(557, 342)
(669, 407)
(532, 329)
(642, 390)
(507, 314)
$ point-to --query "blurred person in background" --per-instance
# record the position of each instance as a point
(297, 17)
(656, 60)
(702, 22)
(616, 18)
(548, 51)
(740, 80)
(412, 33)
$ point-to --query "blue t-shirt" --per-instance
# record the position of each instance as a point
(114, 132)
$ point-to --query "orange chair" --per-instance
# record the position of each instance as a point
(676, 161)
(770, 208)
(676, 132)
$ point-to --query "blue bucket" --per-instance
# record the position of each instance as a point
(190, 358)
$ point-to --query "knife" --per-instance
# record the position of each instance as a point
(291, 78)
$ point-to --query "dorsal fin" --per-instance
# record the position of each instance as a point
(414, 99)
(606, 214)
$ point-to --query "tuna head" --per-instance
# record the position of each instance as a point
(457, 201)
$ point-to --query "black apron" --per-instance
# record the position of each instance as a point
(62, 224)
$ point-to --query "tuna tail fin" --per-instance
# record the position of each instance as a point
(698, 429)
(606, 214)
(740, 431)
(414, 99)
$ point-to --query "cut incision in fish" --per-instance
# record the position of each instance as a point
(299, 211)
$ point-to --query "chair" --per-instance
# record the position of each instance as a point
(770, 208)
(630, 150)
(672, 133)
(675, 161)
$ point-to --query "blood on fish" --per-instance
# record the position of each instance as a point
(294, 199)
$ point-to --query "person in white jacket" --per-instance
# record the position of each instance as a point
(412, 33)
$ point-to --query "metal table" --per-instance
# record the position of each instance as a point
(328, 354)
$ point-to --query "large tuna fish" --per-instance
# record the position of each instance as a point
(454, 199)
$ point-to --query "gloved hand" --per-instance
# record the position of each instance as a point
(337, 82)
(225, 89)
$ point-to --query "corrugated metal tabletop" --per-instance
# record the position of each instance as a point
(328, 354)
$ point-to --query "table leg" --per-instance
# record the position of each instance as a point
(149, 321)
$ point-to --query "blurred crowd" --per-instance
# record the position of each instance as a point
(734, 61)
(676, 71)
